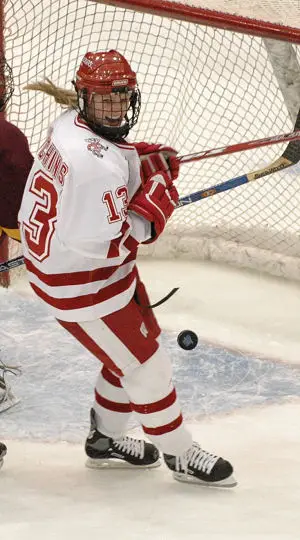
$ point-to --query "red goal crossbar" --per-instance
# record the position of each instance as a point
(209, 17)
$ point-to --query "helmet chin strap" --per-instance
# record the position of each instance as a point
(110, 133)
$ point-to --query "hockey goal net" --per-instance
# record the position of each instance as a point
(208, 79)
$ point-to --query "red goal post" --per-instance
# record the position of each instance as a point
(211, 73)
(4, 253)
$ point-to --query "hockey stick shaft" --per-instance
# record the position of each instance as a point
(292, 154)
(290, 157)
(250, 145)
(13, 263)
(278, 165)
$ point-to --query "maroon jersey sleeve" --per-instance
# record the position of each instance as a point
(15, 164)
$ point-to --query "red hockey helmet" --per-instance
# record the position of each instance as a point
(107, 73)
(104, 72)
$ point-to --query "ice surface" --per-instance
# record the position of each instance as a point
(239, 390)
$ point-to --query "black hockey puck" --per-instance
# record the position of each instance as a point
(187, 340)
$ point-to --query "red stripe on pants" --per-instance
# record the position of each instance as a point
(148, 408)
(110, 377)
(161, 430)
(112, 405)
(127, 324)
(90, 344)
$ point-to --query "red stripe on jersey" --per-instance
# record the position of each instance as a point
(80, 122)
(131, 244)
(161, 430)
(76, 278)
(87, 300)
(112, 405)
(114, 247)
(160, 405)
(77, 331)
(110, 377)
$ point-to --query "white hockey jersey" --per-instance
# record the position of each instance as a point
(79, 240)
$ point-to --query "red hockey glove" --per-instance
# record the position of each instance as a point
(155, 202)
(156, 158)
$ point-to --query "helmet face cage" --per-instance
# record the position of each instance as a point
(6, 83)
(86, 108)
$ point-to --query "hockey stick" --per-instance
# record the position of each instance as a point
(222, 151)
(18, 261)
(13, 263)
(290, 157)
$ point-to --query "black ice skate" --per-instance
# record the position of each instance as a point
(3, 451)
(125, 452)
(201, 467)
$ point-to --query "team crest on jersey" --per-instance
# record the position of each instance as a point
(95, 146)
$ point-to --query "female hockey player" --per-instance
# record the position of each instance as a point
(88, 205)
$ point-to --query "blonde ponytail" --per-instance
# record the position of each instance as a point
(65, 98)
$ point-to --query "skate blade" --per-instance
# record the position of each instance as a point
(117, 464)
(226, 483)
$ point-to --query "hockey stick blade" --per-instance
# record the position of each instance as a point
(240, 147)
(13, 263)
(290, 157)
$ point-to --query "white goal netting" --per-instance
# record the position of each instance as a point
(201, 88)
